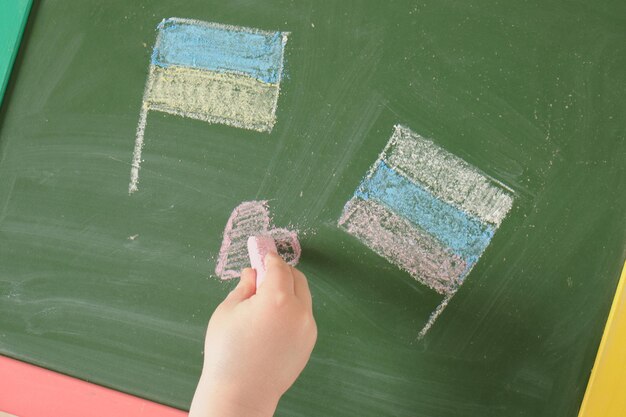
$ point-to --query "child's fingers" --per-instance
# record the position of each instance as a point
(301, 287)
(246, 287)
(278, 275)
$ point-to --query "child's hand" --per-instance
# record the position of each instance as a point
(257, 343)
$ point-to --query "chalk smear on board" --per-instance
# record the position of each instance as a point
(427, 211)
(252, 218)
(212, 72)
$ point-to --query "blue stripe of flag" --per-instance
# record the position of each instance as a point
(219, 48)
(463, 234)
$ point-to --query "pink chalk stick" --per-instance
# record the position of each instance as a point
(258, 247)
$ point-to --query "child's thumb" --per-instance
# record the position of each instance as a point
(246, 287)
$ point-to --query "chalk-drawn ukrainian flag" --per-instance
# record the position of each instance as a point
(427, 211)
(212, 72)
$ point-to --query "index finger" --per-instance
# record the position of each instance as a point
(278, 275)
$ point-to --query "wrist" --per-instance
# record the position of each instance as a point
(219, 399)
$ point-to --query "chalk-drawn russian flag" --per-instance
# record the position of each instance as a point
(426, 211)
(212, 72)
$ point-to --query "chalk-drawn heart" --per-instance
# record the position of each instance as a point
(252, 218)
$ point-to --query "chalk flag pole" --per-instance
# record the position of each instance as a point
(435, 315)
(135, 165)
(136, 162)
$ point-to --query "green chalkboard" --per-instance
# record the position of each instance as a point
(117, 289)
